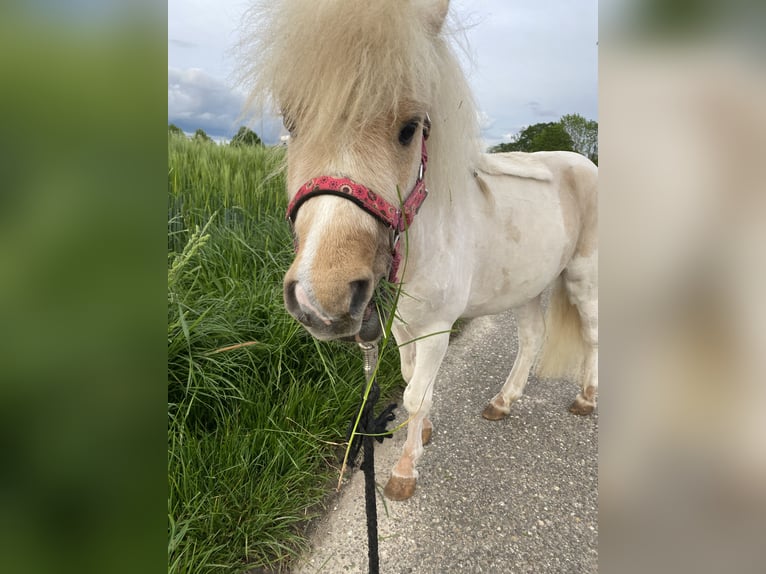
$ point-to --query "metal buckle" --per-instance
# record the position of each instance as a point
(394, 239)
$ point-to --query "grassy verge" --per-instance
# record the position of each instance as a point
(257, 410)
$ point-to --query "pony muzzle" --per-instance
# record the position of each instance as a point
(357, 315)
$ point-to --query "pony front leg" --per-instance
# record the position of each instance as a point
(417, 400)
(407, 362)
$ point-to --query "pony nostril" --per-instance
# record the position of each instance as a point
(360, 295)
(291, 302)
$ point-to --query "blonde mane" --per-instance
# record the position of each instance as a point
(343, 65)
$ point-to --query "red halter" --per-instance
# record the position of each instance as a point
(398, 220)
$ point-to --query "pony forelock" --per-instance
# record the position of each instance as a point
(341, 65)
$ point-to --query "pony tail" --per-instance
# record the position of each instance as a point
(563, 350)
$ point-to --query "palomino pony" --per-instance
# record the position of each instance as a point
(361, 86)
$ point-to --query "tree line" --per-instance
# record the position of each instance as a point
(245, 136)
(571, 133)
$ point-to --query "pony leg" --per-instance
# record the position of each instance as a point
(585, 401)
(407, 362)
(582, 287)
(406, 350)
(530, 327)
(417, 401)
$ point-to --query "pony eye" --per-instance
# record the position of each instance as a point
(408, 132)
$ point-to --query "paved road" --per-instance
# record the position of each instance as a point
(519, 495)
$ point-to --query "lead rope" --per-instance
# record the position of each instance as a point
(370, 428)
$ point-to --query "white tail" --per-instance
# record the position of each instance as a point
(563, 350)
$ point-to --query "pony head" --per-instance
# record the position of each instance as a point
(354, 82)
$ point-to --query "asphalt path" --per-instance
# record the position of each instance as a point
(518, 495)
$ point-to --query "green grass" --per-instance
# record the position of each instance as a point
(253, 431)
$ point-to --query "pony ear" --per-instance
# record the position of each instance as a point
(436, 13)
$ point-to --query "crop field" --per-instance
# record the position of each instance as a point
(257, 409)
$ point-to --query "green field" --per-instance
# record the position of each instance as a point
(257, 409)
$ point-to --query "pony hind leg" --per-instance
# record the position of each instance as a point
(530, 326)
(585, 402)
(582, 286)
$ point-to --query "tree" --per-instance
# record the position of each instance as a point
(201, 136)
(246, 136)
(174, 130)
(552, 138)
(584, 134)
(549, 136)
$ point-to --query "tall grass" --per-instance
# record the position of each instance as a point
(257, 409)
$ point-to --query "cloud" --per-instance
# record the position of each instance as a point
(533, 63)
(539, 111)
(198, 100)
(485, 121)
(182, 43)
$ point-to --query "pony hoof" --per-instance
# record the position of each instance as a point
(399, 488)
(492, 413)
(581, 408)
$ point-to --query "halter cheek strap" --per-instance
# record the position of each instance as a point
(396, 219)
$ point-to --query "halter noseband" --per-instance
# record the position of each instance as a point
(396, 219)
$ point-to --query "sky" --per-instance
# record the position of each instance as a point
(530, 62)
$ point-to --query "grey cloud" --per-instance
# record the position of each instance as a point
(183, 43)
(539, 111)
(199, 100)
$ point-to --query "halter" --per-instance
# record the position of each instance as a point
(397, 220)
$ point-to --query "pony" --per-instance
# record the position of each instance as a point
(379, 112)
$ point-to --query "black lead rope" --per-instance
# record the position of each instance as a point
(370, 428)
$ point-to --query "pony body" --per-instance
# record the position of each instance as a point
(355, 82)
